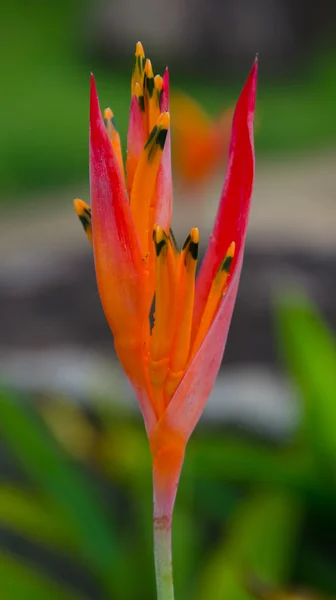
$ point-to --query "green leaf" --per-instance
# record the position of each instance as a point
(38, 518)
(20, 581)
(309, 350)
(42, 459)
(260, 544)
(237, 459)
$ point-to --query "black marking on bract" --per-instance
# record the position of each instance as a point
(141, 101)
(193, 249)
(150, 86)
(186, 242)
(139, 63)
(114, 123)
(159, 246)
(106, 122)
(85, 222)
(161, 138)
(151, 136)
(87, 212)
(227, 264)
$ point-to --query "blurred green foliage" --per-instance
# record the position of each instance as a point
(247, 512)
(310, 351)
(44, 106)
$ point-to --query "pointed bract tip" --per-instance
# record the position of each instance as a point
(194, 235)
(160, 240)
(95, 112)
(80, 206)
(227, 261)
(231, 249)
(108, 114)
(139, 51)
(192, 246)
(164, 120)
(255, 66)
(93, 93)
(157, 234)
(149, 68)
(166, 75)
(158, 82)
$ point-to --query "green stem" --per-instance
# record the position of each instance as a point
(163, 558)
(167, 465)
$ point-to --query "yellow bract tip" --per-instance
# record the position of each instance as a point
(194, 235)
(83, 211)
(80, 206)
(158, 82)
(139, 51)
(164, 120)
(231, 249)
(158, 233)
(149, 69)
(160, 241)
(108, 114)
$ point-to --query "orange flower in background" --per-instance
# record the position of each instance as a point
(172, 364)
(199, 144)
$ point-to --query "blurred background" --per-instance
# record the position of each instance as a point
(255, 515)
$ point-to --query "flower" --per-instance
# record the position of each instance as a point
(200, 143)
(173, 364)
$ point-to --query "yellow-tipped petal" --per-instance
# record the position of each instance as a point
(138, 92)
(149, 77)
(139, 51)
(138, 68)
(151, 97)
(165, 314)
(83, 211)
(185, 306)
(158, 81)
(218, 289)
(165, 302)
(114, 136)
(145, 178)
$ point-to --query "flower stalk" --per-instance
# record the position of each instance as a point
(163, 558)
(167, 465)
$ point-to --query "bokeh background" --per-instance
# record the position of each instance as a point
(256, 510)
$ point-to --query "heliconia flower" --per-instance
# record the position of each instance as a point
(172, 364)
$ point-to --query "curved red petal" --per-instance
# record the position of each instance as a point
(233, 211)
(119, 266)
(118, 263)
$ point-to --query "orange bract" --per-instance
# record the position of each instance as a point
(137, 262)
